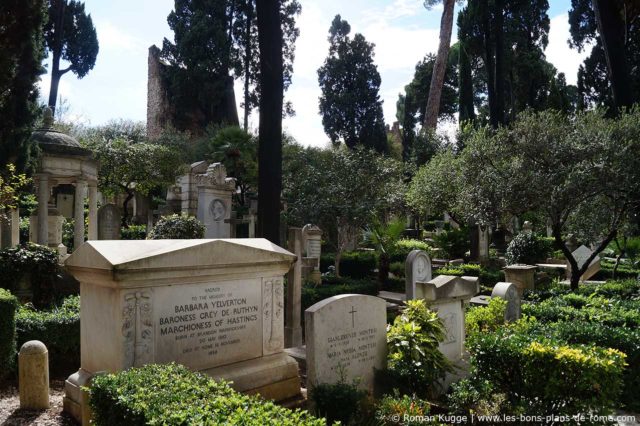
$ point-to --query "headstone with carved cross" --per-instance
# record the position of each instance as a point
(346, 339)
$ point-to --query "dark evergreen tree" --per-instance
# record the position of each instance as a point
(70, 36)
(21, 55)
(350, 104)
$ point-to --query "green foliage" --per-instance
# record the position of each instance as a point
(485, 319)
(40, 262)
(21, 56)
(134, 232)
(10, 184)
(177, 227)
(528, 248)
(397, 269)
(57, 327)
(337, 402)
(383, 238)
(392, 409)
(333, 286)
(353, 264)
(173, 395)
(413, 355)
(350, 103)
(454, 242)
(403, 247)
(8, 306)
(542, 376)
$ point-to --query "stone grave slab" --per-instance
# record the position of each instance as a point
(346, 336)
(109, 222)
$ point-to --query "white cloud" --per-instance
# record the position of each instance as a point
(559, 53)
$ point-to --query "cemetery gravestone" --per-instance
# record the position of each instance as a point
(447, 296)
(581, 254)
(215, 190)
(109, 222)
(523, 276)
(216, 306)
(509, 292)
(346, 338)
(417, 269)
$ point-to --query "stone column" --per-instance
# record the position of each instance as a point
(15, 227)
(33, 378)
(78, 214)
(293, 314)
(43, 209)
(93, 211)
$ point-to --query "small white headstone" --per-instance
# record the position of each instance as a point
(417, 269)
(346, 338)
(581, 254)
(509, 292)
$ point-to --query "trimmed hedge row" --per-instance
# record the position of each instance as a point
(173, 395)
(8, 306)
(542, 376)
(58, 328)
(353, 264)
(333, 286)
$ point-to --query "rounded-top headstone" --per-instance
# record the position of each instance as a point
(508, 292)
(417, 269)
(33, 371)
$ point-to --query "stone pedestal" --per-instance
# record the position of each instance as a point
(54, 229)
(33, 380)
(215, 306)
(523, 276)
(293, 327)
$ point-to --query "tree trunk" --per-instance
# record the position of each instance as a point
(612, 28)
(499, 73)
(125, 211)
(440, 66)
(465, 83)
(56, 53)
(383, 269)
(247, 64)
(621, 250)
(270, 127)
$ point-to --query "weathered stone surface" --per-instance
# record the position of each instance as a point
(293, 327)
(417, 268)
(509, 292)
(345, 336)
(581, 254)
(215, 190)
(523, 276)
(109, 222)
(33, 380)
(216, 306)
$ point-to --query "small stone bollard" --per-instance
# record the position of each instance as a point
(33, 380)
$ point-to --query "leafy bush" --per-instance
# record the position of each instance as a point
(333, 286)
(354, 264)
(173, 395)
(40, 262)
(475, 395)
(454, 242)
(392, 409)
(58, 328)
(176, 227)
(449, 270)
(413, 355)
(134, 232)
(483, 319)
(337, 401)
(8, 306)
(541, 376)
(402, 248)
(623, 272)
(397, 269)
(528, 248)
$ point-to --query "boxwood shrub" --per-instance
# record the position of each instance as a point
(8, 306)
(177, 227)
(353, 264)
(58, 328)
(173, 395)
(333, 286)
(541, 375)
(402, 248)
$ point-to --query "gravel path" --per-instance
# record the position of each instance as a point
(12, 415)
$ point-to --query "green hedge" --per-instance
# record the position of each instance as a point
(403, 247)
(488, 277)
(353, 264)
(8, 306)
(58, 328)
(172, 395)
(333, 286)
(545, 376)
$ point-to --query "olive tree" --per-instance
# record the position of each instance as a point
(581, 173)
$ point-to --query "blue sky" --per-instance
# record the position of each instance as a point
(402, 30)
